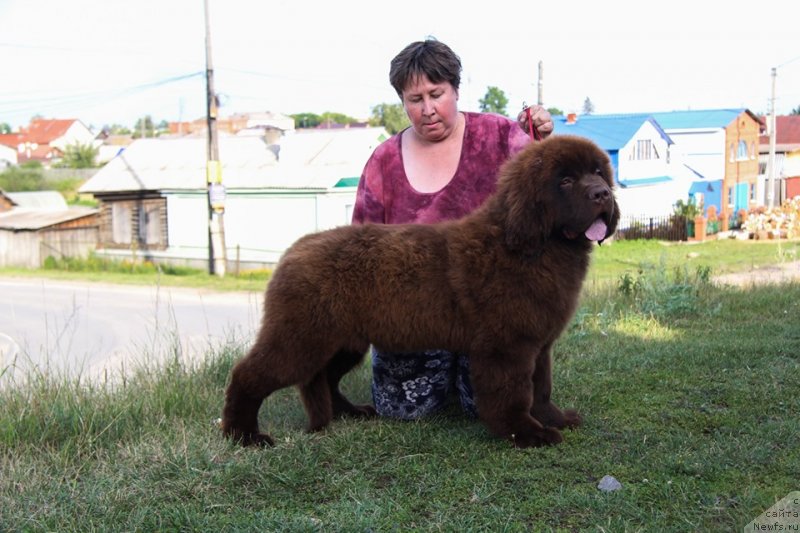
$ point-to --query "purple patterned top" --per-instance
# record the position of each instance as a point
(385, 196)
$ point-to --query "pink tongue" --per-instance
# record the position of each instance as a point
(597, 231)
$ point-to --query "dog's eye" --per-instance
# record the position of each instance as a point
(598, 171)
(567, 181)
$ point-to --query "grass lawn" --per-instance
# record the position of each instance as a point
(689, 393)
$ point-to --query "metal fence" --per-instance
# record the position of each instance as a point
(665, 228)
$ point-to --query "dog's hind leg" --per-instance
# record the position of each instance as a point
(248, 388)
(544, 410)
(341, 364)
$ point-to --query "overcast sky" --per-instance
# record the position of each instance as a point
(112, 61)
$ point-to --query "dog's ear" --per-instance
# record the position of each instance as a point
(527, 220)
(612, 224)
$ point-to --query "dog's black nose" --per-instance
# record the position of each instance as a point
(599, 193)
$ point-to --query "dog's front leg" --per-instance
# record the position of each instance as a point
(544, 410)
(504, 398)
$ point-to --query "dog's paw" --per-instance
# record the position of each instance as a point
(250, 439)
(572, 419)
(364, 411)
(550, 415)
(541, 437)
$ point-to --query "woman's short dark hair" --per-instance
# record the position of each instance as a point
(430, 57)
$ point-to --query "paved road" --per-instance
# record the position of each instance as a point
(99, 329)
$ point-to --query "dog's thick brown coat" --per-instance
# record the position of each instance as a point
(499, 285)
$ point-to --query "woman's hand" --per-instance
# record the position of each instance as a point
(542, 121)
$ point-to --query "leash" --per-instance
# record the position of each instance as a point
(532, 130)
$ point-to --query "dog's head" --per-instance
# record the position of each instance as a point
(560, 188)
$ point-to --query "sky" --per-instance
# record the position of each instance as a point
(113, 61)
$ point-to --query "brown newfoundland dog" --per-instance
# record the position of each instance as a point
(500, 285)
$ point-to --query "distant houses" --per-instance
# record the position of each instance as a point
(281, 183)
(659, 158)
(46, 140)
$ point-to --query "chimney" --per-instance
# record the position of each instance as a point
(572, 118)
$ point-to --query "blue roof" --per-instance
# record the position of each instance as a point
(709, 118)
(610, 132)
(644, 181)
(705, 186)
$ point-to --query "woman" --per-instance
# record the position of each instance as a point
(440, 168)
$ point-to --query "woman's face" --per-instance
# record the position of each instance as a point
(431, 107)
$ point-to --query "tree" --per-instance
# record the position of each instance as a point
(144, 127)
(391, 116)
(795, 111)
(329, 117)
(5, 128)
(80, 156)
(22, 179)
(588, 106)
(306, 120)
(555, 111)
(495, 101)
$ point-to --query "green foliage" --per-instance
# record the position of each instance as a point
(5, 128)
(24, 178)
(688, 209)
(117, 129)
(144, 128)
(336, 118)
(660, 294)
(79, 156)
(795, 111)
(393, 117)
(494, 101)
(306, 120)
(93, 263)
(556, 112)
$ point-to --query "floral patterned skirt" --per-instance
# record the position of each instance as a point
(412, 385)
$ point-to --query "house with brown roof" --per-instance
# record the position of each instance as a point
(46, 140)
(787, 157)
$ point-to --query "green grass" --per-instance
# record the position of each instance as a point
(609, 262)
(688, 392)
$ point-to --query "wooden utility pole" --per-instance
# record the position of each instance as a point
(540, 97)
(216, 190)
(772, 134)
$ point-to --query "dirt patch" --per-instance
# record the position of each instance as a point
(778, 273)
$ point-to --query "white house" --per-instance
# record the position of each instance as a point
(8, 156)
(648, 179)
(154, 199)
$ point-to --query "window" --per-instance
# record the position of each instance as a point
(753, 153)
(644, 150)
(732, 153)
(752, 192)
(120, 223)
(730, 196)
(150, 224)
(741, 152)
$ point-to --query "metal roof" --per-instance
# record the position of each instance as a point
(25, 219)
(50, 200)
(699, 119)
(315, 160)
(610, 132)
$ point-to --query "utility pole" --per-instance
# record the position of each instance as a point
(540, 97)
(216, 190)
(772, 134)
